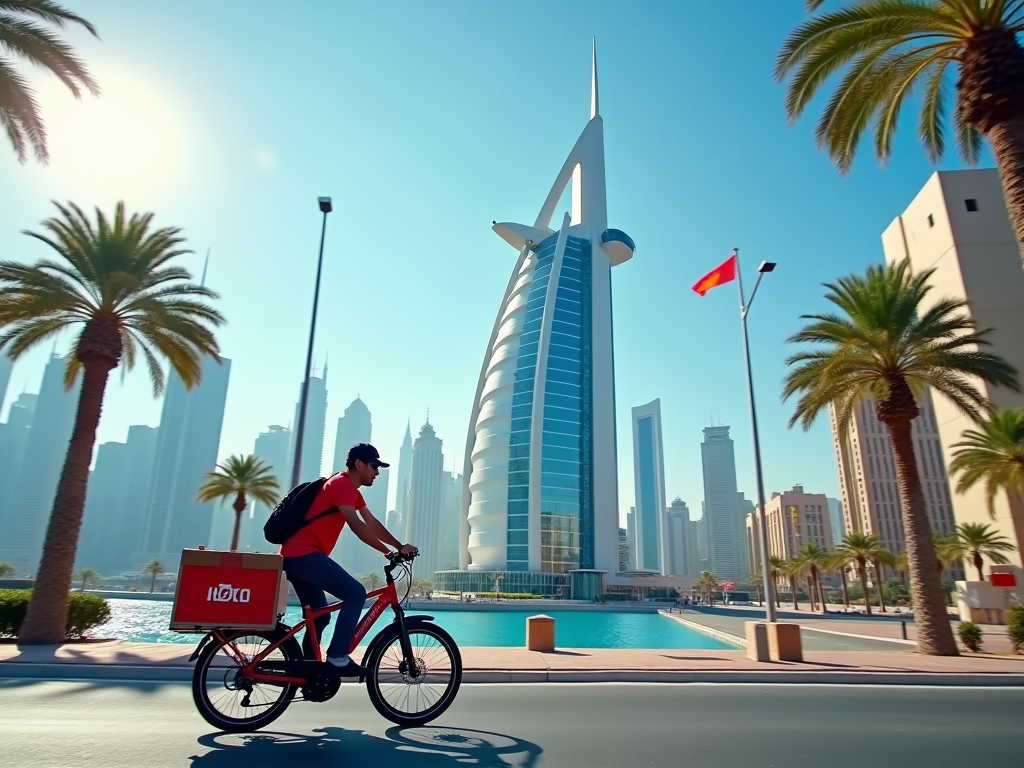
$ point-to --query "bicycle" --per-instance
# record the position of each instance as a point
(412, 658)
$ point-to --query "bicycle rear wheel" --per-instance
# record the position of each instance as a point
(414, 696)
(231, 702)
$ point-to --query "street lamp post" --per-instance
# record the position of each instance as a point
(300, 428)
(762, 519)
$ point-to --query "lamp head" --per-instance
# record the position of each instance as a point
(766, 266)
(325, 204)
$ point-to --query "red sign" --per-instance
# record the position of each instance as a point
(728, 585)
(227, 589)
(1003, 579)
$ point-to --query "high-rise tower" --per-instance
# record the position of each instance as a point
(426, 496)
(34, 489)
(649, 480)
(540, 493)
(723, 518)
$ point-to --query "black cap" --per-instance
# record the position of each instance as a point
(365, 453)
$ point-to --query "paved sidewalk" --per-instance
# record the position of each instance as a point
(118, 660)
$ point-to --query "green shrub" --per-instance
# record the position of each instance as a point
(84, 612)
(1015, 627)
(970, 635)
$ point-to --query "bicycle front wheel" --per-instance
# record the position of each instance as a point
(414, 694)
(228, 700)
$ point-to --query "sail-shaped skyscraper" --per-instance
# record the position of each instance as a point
(540, 494)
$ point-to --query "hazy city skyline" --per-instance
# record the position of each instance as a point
(162, 122)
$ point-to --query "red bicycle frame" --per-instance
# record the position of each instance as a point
(386, 596)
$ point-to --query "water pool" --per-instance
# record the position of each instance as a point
(146, 621)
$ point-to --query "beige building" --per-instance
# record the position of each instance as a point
(958, 225)
(794, 518)
(867, 475)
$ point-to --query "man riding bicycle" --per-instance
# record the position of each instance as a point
(312, 572)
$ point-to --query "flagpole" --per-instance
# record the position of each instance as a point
(762, 526)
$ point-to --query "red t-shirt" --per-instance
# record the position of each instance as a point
(321, 535)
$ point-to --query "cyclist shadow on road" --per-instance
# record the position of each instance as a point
(428, 747)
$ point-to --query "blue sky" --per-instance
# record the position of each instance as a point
(426, 121)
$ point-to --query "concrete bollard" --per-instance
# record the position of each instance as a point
(540, 633)
(784, 643)
(757, 641)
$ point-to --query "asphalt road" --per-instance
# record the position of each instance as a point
(56, 724)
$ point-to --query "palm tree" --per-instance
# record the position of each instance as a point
(882, 558)
(241, 477)
(22, 36)
(838, 562)
(154, 567)
(993, 455)
(946, 554)
(977, 541)
(708, 582)
(777, 566)
(85, 576)
(756, 580)
(814, 559)
(860, 549)
(793, 570)
(887, 47)
(116, 280)
(370, 580)
(7, 569)
(882, 345)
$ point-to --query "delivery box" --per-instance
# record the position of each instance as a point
(229, 590)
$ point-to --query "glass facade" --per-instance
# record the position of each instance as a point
(542, 584)
(565, 462)
(648, 495)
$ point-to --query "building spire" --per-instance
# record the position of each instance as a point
(594, 105)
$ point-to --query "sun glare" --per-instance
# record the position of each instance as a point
(126, 142)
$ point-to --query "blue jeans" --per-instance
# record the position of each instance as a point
(312, 575)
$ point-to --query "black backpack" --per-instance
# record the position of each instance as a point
(289, 516)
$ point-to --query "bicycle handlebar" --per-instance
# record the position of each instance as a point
(396, 558)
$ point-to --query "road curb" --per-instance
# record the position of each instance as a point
(177, 674)
(717, 634)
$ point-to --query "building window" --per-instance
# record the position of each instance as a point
(972, 204)
(931, 220)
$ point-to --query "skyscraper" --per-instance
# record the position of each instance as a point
(272, 447)
(835, 518)
(313, 434)
(623, 550)
(631, 537)
(6, 366)
(451, 506)
(112, 523)
(187, 443)
(35, 486)
(958, 225)
(404, 474)
(682, 541)
(13, 440)
(727, 544)
(867, 474)
(355, 427)
(541, 494)
(425, 498)
(649, 479)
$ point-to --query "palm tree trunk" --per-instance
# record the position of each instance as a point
(862, 569)
(152, 583)
(47, 614)
(810, 592)
(239, 507)
(821, 591)
(979, 563)
(792, 586)
(881, 583)
(934, 632)
(846, 596)
(1007, 140)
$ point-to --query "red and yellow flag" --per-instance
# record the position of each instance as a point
(723, 273)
